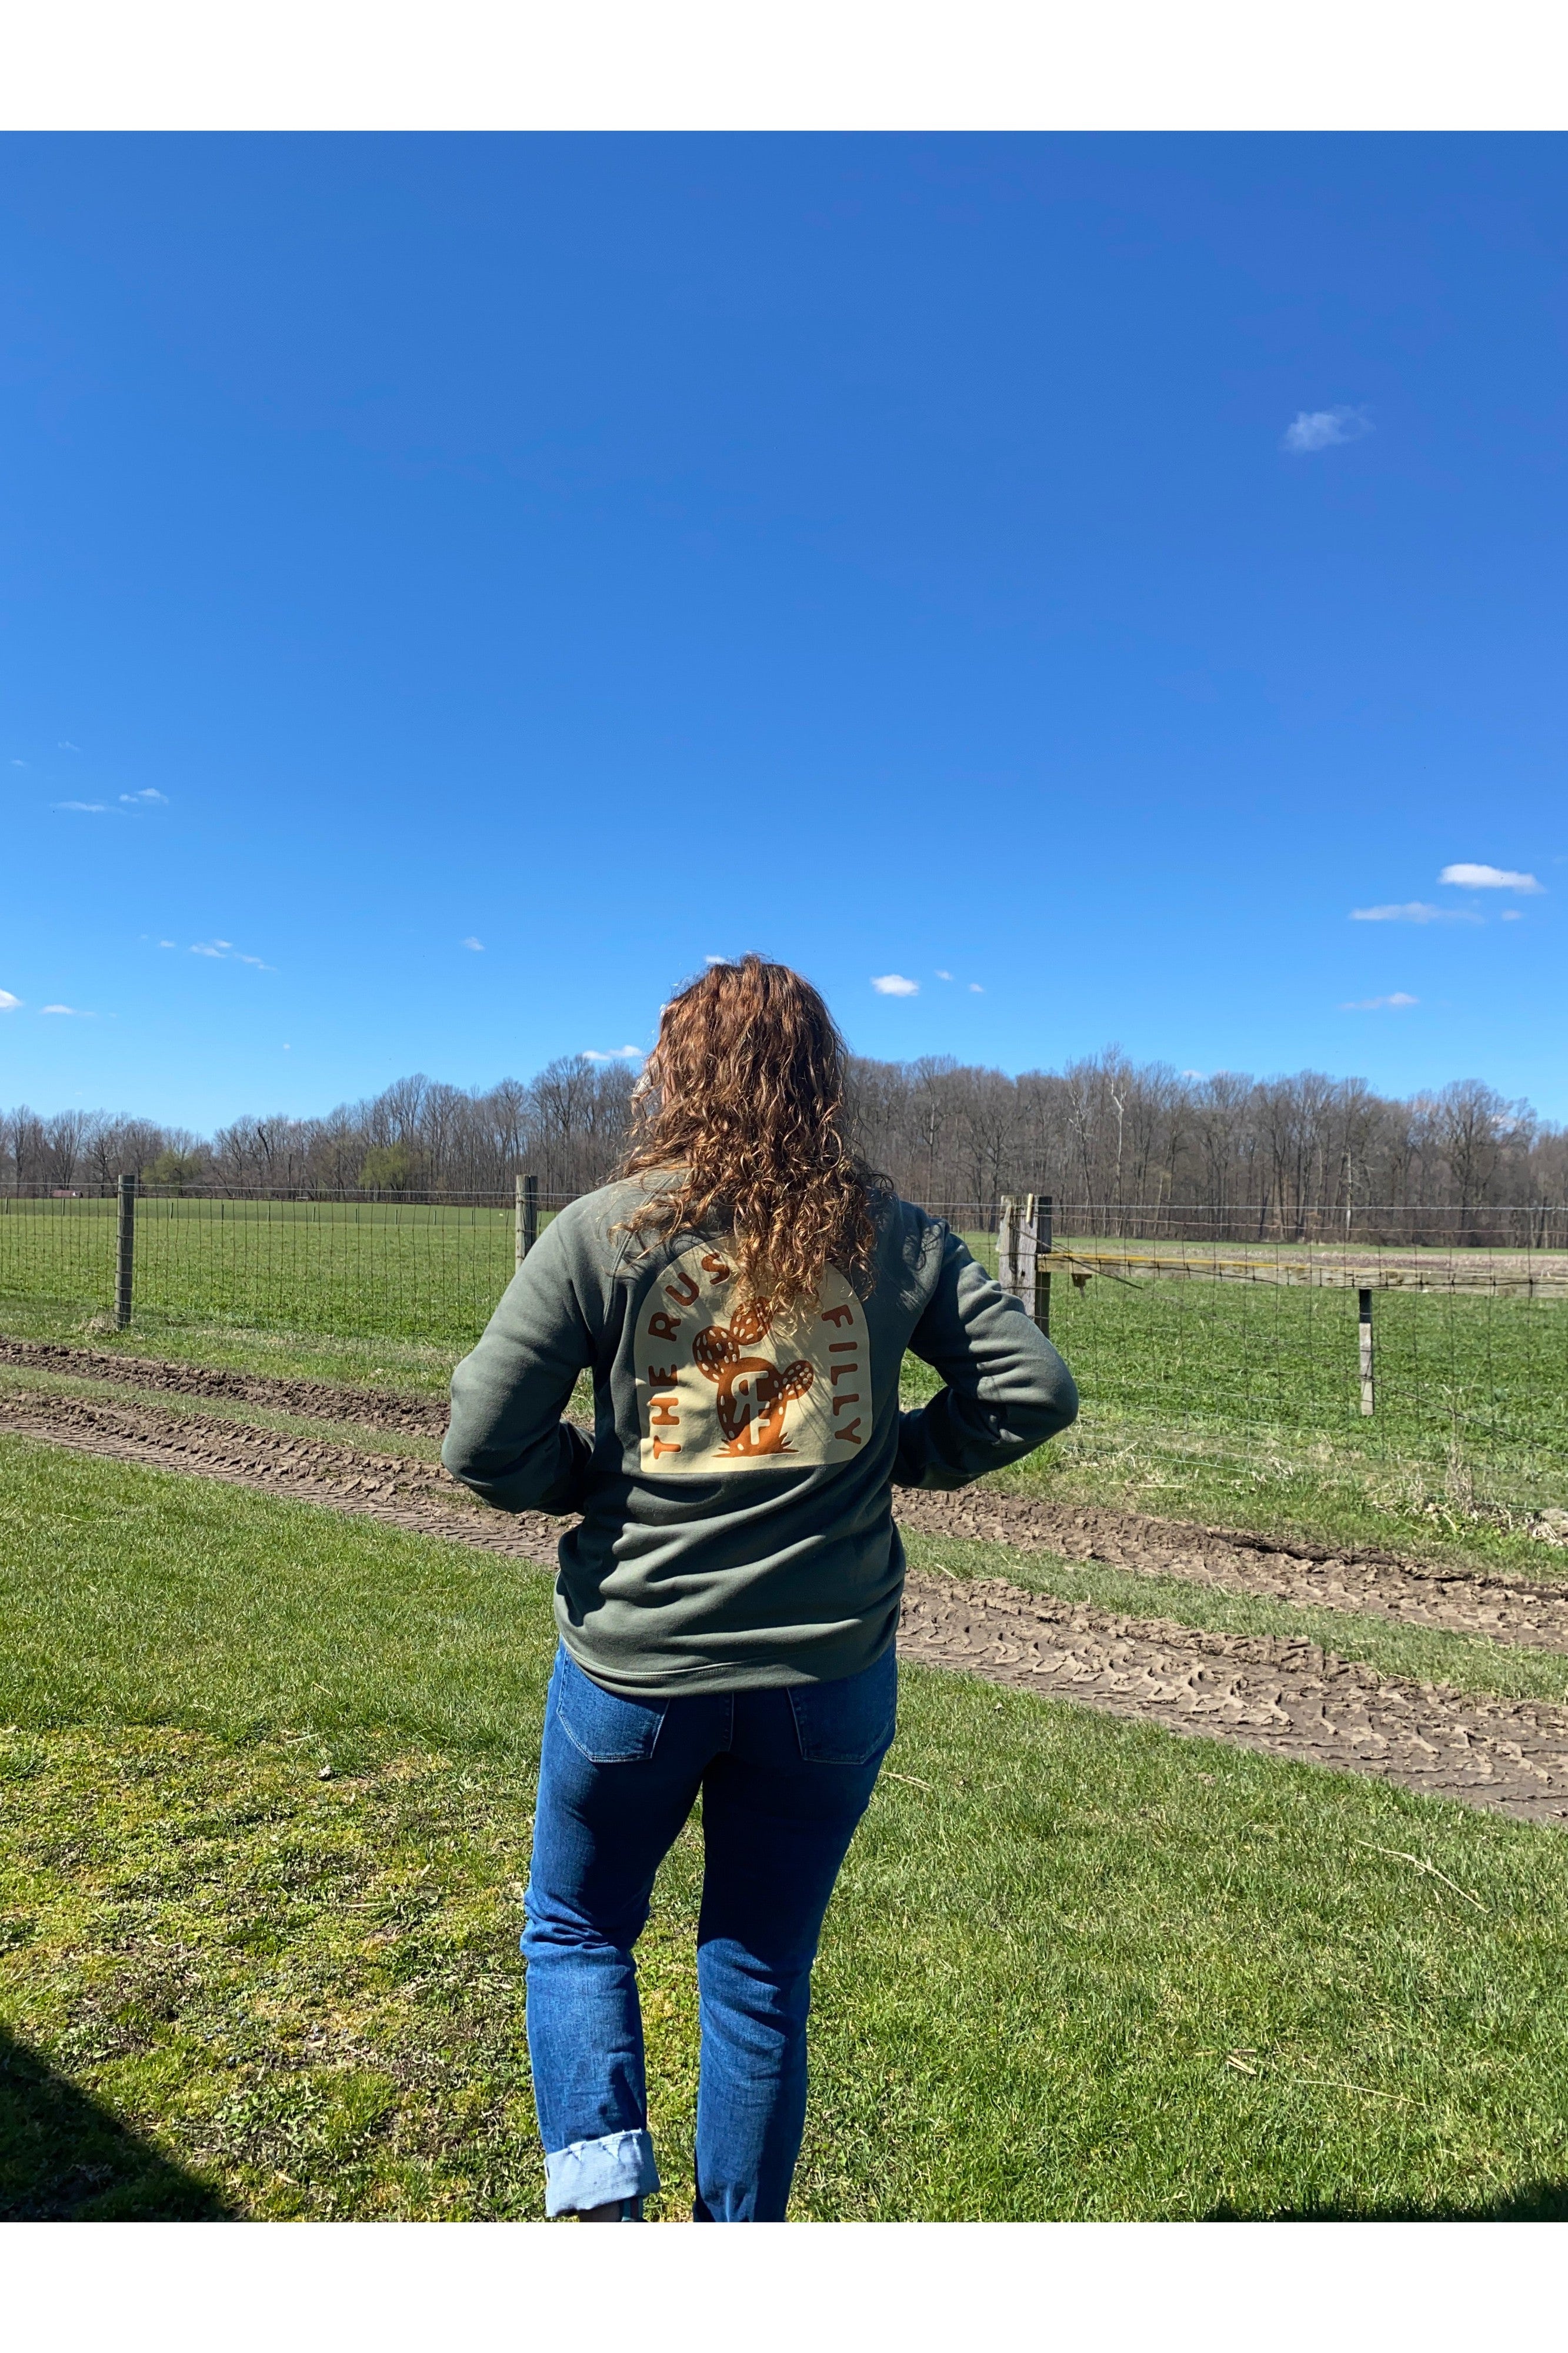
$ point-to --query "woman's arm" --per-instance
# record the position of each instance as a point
(507, 1439)
(1007, 1390)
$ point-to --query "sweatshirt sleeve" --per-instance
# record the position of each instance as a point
(507, 1439)
(1007, 1390)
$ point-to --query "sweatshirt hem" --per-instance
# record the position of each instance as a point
(770, 1674)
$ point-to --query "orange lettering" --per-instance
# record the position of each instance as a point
(851, 1372)
(662, 1326)
(658, 1379)
(850, 1433)
(840, 1402)
(715, 1267)
(662, 1411)
(844, 1315)
(683, 1291)
(843, 1347)
(671, 1446)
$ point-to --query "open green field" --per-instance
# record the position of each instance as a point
(1074, 1967)
(347, 1270)
(1236, 1403)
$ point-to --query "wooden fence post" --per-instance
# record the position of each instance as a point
(527, 1216)
(1017, 1248)
(1043, 1263)
(1008, 1244)
(125, 1261)
(1363, 1302)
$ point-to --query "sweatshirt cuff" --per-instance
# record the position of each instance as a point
(917, 1462)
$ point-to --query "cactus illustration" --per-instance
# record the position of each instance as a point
(753, 1391)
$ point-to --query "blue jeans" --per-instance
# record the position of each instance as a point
(784, 1777)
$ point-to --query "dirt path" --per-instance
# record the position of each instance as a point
(1290, 1698)
(1286, 1697)
(391, 1409)
(1470, 1601)
(1508, 1607)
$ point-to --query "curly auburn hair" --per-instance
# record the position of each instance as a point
(742, 1106)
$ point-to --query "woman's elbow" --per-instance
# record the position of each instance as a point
(468, 1463)
(1054, 1406)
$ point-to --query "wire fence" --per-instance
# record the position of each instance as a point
(1184, 1333)
(405, 1268)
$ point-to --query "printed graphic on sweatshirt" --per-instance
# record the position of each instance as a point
(722, 1385)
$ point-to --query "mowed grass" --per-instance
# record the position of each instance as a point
(1074, 1967)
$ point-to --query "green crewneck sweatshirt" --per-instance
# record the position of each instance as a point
(736, 1501)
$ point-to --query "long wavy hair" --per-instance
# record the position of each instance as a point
(741, 1108)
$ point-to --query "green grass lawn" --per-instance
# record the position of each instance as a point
(1074, 1967)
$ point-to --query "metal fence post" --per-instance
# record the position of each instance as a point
(527, 1215)
(125, 1262)
(1363, 1302)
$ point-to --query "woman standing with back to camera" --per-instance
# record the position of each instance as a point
(743, 1295)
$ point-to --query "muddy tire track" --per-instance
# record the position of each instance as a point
(392, 1410)
(399, 1490)
(1509, 1608)
(1290, 1698)
(1506, 1606)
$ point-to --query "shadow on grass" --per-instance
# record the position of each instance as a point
(64, 2158)
(1533, 2201)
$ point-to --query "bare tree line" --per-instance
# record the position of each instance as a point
(1129, 1148)
(1141, 1148)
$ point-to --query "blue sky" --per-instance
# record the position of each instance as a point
(452, 585)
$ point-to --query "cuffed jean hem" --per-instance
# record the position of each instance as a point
(592, 2172)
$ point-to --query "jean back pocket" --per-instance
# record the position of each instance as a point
(605, 1729)
(850, 1722)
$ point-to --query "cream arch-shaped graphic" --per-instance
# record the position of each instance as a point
(723, 1386)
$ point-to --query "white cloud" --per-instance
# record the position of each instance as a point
(713, 959)
(975, 989)
(221, 950)
(615, 1054)
(8, 1004)
(1395, 1004)
(21, 763)
(67, 746)
(1324, 428)
(74, 1010)
(87, 809)
(1491, 878)
(944, 976)
(149, 796)
(1510, 915)
(893, 984)
(1414, 911)
(477, 946)
(1195, 1074)
(165, 943)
